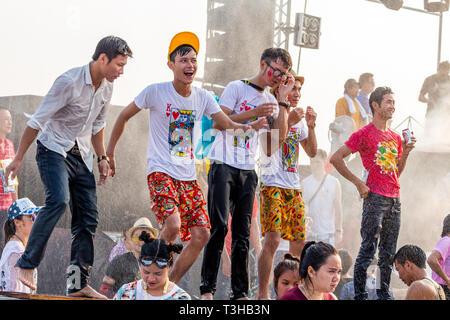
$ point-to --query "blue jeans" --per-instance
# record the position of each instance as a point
(67, 182)
(380, 226)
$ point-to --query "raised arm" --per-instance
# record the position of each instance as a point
(310, 143)
(118, 129)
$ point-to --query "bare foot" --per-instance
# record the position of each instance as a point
(206, 296)
(26, 277)
(87, 292)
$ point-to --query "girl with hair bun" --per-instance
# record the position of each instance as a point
(320, 271)
(285, 275)
(155, 260)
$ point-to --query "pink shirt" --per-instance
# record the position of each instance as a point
(443, 247)
(380, 152)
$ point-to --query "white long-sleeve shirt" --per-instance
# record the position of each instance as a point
(72, 111)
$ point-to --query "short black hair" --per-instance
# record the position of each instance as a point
(182, 50)
(412, 254)
(112, 46)
(273, 54)
(378, 94)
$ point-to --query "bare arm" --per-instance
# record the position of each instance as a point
(98, 143)
(223, 122)
(27, 139)
(433, 262)
(118, 129)
(310, 143)
(337, 160)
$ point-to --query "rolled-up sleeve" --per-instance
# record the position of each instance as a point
(100, 121)
(57, 97)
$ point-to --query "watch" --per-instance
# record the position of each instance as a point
(284, 104)
(102, 157)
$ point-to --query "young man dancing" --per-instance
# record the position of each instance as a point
(71, 115)
(174, 108)
(232, 178)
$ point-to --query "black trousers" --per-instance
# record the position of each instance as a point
(67, 182)
(380, 227)
(230, 190)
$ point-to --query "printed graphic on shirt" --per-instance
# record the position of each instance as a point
(242, 139)
(180, 132)
(290, 151)
(245, 106)
(387, 157)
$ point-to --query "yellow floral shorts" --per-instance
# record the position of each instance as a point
(283, 211)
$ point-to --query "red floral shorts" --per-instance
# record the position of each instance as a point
(171, 196)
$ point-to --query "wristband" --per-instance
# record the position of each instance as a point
(102, 157)
(284, 104)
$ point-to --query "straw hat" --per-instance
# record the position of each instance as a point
(143, 223)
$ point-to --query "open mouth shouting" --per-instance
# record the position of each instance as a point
(189, 74)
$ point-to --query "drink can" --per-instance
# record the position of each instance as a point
(407, 136)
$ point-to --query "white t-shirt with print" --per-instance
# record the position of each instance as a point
(281, 168)
(172, 119)
(239, 151)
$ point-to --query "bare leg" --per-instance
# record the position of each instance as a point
(171, 228)
(265, 260)
(26, 277)
(89, 292)
(296, 247)
(187, 257)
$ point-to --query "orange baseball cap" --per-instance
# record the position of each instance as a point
(182, 38)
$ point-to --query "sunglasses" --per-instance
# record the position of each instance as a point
(135, 238)
(160, 262)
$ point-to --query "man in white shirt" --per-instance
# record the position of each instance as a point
(71, 115)
(174, 108)
(232, 178)
(282, 207)
(322, 195)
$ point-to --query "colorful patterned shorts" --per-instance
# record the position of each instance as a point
(185, 197)
(283, 211)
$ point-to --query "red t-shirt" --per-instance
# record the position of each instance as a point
(296, 294)
(380, 152)
(6, 153)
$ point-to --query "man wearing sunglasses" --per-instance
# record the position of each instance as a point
(232, 178)
(71, 117)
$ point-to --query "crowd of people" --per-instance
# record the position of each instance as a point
(255, 117)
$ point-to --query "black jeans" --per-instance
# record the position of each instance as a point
(67, 181)
(380, 226)
(230, 190)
